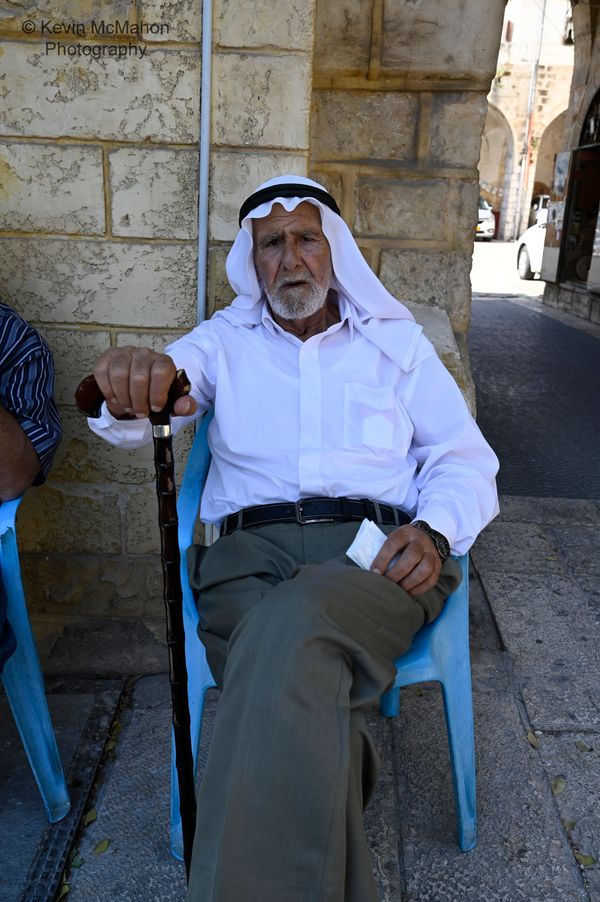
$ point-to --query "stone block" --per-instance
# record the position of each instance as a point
(219, 292)
(463, 216)
(59, 12)
(437, 328)
(261, 100)
(154, 193)
(51, 188)
(405, 209)
(82, 457)
(522, 852)
(457, 38)
(79, 521)
(575, 759)
(342, 38)
(433, 278)
(183, 18)
(457, 122)
(154, 98)
(141, 527)
(75, 353)
(264, 23)
(364, 124)
(124, 647)
(331, 181)
(92, 585)
(236, 175)
(124, 284)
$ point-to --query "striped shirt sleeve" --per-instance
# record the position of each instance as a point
(26, 385)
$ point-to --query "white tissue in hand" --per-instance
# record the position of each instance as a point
(366, 544)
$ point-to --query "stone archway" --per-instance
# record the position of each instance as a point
(496, 163)
(551, 143)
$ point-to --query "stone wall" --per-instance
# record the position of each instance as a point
(398, 112)
(98, 229)
(383, 102)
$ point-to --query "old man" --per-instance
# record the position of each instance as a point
(330, 406)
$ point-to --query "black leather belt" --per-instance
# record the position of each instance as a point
(314, 510)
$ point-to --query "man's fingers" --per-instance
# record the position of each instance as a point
(423, 577)
(395, 542)
(162, 374)
(185, 407)
(112, 375)
(134, 379)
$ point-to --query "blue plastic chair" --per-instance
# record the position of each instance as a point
(23, 681)
(440, 651)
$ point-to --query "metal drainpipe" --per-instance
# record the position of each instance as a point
(524, 172)
(203, 169)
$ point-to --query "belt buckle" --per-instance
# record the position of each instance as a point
(302, 519)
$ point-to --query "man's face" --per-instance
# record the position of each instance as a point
(293, 260)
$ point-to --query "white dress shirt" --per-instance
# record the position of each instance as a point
(330, 416)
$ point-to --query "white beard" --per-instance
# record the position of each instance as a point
(297, 302)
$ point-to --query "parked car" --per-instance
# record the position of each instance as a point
(530, 249)
(486, 222)
(539, 208)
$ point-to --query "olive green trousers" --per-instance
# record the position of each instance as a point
(299, 639)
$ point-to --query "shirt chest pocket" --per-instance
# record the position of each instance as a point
(373, 419)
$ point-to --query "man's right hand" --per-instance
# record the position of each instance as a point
(137, 380)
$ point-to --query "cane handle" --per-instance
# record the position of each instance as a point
(89, 398)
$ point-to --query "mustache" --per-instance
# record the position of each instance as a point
(282, 281)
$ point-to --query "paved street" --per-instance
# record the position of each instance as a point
(535, 639)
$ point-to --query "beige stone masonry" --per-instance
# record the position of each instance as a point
(151, 99)
(403, 210)
(218, 290)
(234, 175)
(154, 193)
(261, 100)
(183, 18)
(269, 23)
(377, 125)
(62, 14)
(101, 282)
(70, 520)
(455, 37)
(457, 122)
(52, 188)
(430, 278)
(84, 458)
(123, 587)
(342, 38)
(75, 353)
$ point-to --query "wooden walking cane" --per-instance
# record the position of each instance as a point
(89, 399)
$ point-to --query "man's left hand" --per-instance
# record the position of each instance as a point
(418, 566)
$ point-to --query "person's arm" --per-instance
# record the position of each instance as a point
(20, 463)
(30, 428)
(455, 479)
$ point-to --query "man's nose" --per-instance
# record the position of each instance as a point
(291, 255)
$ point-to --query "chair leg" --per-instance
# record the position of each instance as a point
(24, 687)
(389, 703)
(458, 706)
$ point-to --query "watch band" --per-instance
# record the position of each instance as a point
(442, 545)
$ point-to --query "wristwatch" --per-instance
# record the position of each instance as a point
(442, 545)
